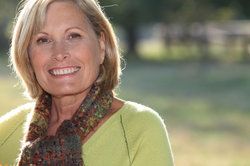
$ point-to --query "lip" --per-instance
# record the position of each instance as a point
(64, 71)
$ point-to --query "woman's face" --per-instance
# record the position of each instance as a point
(66, 53)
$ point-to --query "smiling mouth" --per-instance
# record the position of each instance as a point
(64, 71)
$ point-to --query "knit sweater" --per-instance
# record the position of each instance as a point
(135, 135)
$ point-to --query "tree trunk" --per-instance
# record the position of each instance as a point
(245, 54)
(4, 41)
(132, 40)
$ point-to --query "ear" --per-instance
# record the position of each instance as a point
(102, 47)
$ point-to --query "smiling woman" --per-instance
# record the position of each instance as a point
(65, 53)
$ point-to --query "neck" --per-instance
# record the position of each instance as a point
(64, 107)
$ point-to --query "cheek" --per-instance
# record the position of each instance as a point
(91, 64)
(88, 53)
(38, 62)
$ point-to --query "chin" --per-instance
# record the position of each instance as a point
(66, 92)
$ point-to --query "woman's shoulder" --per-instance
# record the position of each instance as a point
(146, 135)
(11, 119)
(142, 116)
(12, 127)
(17, 113)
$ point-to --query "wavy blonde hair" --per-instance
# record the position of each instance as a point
(30, 19)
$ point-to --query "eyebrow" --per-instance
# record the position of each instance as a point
(41, 33)
(75, 27)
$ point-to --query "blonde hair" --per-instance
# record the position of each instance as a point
(30, 19)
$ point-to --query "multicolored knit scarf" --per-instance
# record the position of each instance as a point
(65, 148)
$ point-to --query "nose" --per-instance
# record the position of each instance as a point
(60, 51)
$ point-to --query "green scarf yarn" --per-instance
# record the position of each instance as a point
(65, 148)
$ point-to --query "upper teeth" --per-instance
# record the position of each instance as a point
(64, 71)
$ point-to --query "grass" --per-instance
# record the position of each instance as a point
(205, 107)
(155, 50)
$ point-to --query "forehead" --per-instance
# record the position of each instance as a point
(66, 9)
(57, 13)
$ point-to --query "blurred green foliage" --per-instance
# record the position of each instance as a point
(7, 12)
(131, 14)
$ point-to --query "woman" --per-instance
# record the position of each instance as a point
(66, 54)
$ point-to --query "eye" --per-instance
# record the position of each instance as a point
(42, 40)
(74, 36)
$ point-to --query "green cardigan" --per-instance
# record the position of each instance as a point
(135, 135)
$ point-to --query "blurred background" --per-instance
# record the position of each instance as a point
(187, 59)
